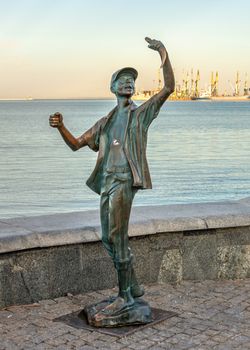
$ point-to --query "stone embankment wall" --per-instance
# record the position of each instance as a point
(49, 256)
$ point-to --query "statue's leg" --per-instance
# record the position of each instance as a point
(136, 289)
(119, 208)
(115, 208)
(104, 213)
(123, 309)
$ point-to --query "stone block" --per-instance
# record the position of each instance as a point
(97, 274)
(171, 267)
(228, 220)
(13, 288)
(160, 244)
(233, 262)
(233, 236)
(140, 248)
(178, 224)
(27, 277)
(199, 257)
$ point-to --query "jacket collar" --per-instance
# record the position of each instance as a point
(132, 107)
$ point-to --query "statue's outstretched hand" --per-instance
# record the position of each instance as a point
(154, 44)
(157, 45)
(56, 120)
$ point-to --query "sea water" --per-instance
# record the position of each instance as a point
(197, 152)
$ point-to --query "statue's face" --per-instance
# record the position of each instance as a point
(124, 85)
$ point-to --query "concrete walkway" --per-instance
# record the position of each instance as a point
(211, 315)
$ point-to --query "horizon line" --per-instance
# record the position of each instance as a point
(54, 98)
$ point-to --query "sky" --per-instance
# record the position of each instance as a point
(69, 49)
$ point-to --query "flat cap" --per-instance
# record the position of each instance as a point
(126, 70)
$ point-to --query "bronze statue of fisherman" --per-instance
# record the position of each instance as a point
(121, 170)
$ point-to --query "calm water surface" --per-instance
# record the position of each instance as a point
(197, 151)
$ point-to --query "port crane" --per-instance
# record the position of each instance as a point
(214, 84)
(246, 89)
(236, 87)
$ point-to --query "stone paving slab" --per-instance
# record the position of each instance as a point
(211, 315)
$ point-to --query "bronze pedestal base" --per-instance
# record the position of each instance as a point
(79, 321)
(136, 314)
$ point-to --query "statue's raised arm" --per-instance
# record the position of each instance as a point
(168, 75)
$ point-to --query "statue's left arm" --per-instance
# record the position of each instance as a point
(168, 74)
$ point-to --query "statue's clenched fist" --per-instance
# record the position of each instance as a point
(56, 120)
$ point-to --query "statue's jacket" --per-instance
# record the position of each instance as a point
(139, 119)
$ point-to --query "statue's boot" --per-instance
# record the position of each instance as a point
(136, 290)
(124, 309)
(125, 300)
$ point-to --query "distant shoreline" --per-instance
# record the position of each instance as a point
(213, 99)
(231, 98)
(76, 98)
